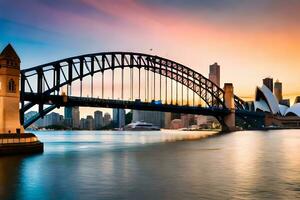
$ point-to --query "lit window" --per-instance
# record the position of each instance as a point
(11, 86)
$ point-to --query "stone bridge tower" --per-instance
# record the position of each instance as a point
(229, 120)
(9, 91)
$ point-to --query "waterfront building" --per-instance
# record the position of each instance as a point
(75, 117)
(89, 122)
(176, 124)
(30, 114)
(68, 116)
(155, 117)
(278, 90)
(106, 119)
(201, 120)
(214, 73)
(168, 119)
(82, 123)
(50, 120)
(294, 110)
(187, 120)
(98, 119)
(265, 101)
(118, 118)
(268, 82)
(53, 119)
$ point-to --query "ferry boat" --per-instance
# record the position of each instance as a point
(141, 126)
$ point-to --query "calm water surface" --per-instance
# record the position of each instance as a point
(130, 165)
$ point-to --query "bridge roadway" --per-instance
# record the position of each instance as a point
(56, 101)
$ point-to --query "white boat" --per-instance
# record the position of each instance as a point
(141, 126)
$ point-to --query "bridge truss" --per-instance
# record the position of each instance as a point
(151, 78)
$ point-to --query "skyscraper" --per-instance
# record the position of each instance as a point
(98, 119)
(68, 116)
(214, 73)
(278, 90)
(155, 117)
(76, 117)
(106, 119)
(89, 122)
(118, 118)
(269, 83)
(50, 119)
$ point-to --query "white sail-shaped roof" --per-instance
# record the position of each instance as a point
(283, 109)
(261, 106)
(263, 93)
(293, 110)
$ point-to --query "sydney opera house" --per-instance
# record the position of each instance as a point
(280, 112)
(266, 101)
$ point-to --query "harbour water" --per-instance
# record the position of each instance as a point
(156, 165)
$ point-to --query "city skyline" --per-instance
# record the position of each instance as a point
(196, 34)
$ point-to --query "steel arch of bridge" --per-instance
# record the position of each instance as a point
(68, 70)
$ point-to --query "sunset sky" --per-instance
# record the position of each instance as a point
(249, 39)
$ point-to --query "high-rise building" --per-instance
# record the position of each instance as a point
(118, 118)
(30, 114)
(201, 119)
(154, 117)
(187, 120)
(168, 119)
(82, 123)
(68, 116)
(98, 119)
(89, 122)
(278, 90)
(50, 119)
(76, 117)
(214, 73)
(269, 83)
(106, 119)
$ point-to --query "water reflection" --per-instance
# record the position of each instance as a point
(118, 165)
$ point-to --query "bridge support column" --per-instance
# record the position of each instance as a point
(229, 120)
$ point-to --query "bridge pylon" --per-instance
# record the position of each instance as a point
(9, 91)
(11, 139)
(229, 120)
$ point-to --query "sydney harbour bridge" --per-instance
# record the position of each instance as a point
(131, 81)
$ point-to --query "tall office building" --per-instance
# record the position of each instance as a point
(118, 118)
(278, 90)
(214, 73)
(106, 119)
(82, 123)
(76, 117)
(168, 120)
(89, 122)
(50, 119)
(68, 116)
(98, 119)
(188, 120)
(269, 83)
(214, 76)
(154, 117)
